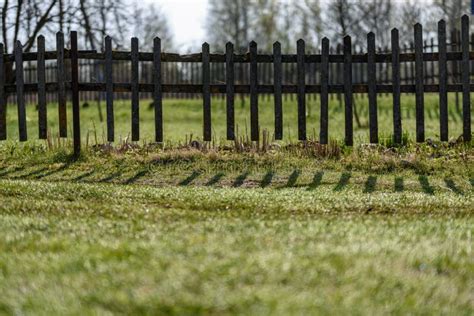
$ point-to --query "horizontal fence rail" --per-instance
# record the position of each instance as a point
(314, 74)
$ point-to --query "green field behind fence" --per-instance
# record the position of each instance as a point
(183, 118)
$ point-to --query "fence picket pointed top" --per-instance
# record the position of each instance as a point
(229, 44)
(417, 25)
(253, 43)
(157, 38)
(325, 38)
(107, 38)
(205, 44)
(371, 34)
(277, 43)
(300, 40)
(442, 21)
(465, 16)
(41, 36)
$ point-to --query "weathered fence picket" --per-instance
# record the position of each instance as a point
(20, 96)
(443, 82)
(372, 86)
(230, 80)
(301, 89)
(419, 85)
(61, 79)
(109, 89)
(323, 130)
(397, 115)
(157, 93)
(3, 105)
(466, 90)
(349, 139)
(41, 74)
(254, 128)
(277, 83)
(135, 91)
(206, 92)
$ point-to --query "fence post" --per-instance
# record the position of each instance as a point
(443, 81)
(3, 103)
(419, 74)
(277, 78)
(61, 78)
(157, 91)
(230, 79)
(41, 76)
(466, 93)
(20, 93)
(301, 88)
(323, 128)
(372, 86)
(254, 129)
(397, 117)
(109, 89)
(206, 92)
(135, 91)
(349, 140)
(76, 124)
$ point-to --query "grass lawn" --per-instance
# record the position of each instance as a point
(287, 230)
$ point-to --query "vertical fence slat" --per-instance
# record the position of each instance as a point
(61, 79)
(466, 97)
(135, 91)
(76, 124)
(372, 81)
(206, 92)
(420, 116)
(3, 104)
(20, 95)
(277, 79)
(157, 92)
(41, 74)
(109, 89)
(254, 129)
(301, 88)
(229, 71)
(349, 139)
(397, 116)
(443, 82)
(323, 129)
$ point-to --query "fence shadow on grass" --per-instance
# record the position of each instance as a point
(136, 176)
(111, 177)
(452, 186)
(293, 178)
(343, 181)
(267, 179)
(30, 174)
(7, 172)
(83, 176)
(239, 181)
(425, 185)
(190, 179)
(370, 184)
(317, 180)
(398, 185)
(50, 173)
(215, 179)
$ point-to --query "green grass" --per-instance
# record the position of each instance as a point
(183, 118)
(289, 229)
(97, 248)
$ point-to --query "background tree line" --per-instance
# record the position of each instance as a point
(239, 21)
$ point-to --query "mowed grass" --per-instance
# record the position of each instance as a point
(183, 119)
(130, 229)
(75, 248)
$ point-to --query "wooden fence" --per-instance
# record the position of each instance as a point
(69, 58)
